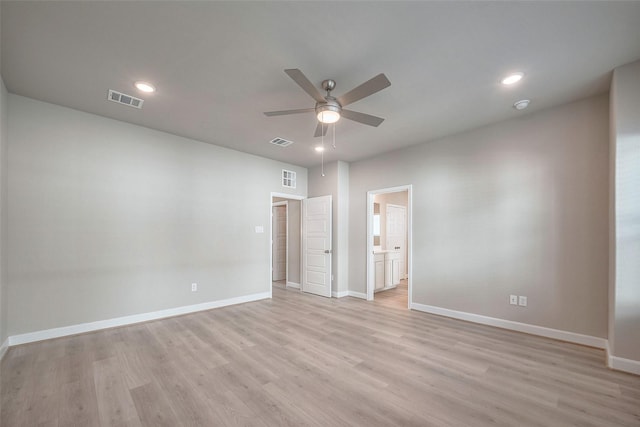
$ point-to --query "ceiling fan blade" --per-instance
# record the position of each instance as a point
(320, 130)
(305, 84)
(286, 112)
(366, 119)
(367, 88)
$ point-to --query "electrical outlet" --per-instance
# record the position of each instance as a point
(194, 287)
(522, 301)
(513, 299)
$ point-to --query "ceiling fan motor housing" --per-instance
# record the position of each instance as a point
(331, 104)
(328, 85)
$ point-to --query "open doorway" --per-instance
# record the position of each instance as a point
(285, 242)
(389, 246)
(308, 244)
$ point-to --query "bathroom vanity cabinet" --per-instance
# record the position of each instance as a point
(387, 269)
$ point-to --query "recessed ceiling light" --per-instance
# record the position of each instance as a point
(319, 148)
(512, 78)
(145, 87)
(522, 104)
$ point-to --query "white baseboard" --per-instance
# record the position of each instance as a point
(340, 294)
(572, 337)
(3, 348)
(622, 364)
(357, 294)
(128, 320)
(293, 285)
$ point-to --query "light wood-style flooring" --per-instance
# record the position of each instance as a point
(302, 360)
(394, 298)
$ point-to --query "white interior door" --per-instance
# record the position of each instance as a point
(316, 245)
(279, 243)
(397, 234)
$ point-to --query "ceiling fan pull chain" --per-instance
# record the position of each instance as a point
(322, 153)
(334, 136)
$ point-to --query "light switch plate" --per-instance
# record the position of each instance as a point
(259, 229)
(513, 299)
(522, 301)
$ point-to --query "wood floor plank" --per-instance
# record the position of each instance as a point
(79, 403)
(153, 406)
(301, 360)
(115, 405)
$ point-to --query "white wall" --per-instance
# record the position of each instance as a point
(519, 207)
(3, 209)
(108, 219)
(624, 331)
(3, 213)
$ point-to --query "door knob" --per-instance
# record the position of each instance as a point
(327, 251)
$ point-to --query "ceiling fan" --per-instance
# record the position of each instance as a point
(329, 109)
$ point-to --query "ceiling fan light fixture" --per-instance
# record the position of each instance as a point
(328, 117)
(329, 112)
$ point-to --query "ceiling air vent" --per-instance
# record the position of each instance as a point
(123, 98)
(281, 142)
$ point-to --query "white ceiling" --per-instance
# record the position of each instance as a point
(219, 65)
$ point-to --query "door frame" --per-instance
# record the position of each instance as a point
(283, 196)
(284, 203)
(369, 256)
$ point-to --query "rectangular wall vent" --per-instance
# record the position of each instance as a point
(280, 142)
(288, 179)
(123, 98)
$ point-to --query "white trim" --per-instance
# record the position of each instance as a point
(128, 320)
(357, 294)
(370, 266)
(286, 196)
(3, 348)
(284, 203)
(340, 294)
(293, 285)
(557, 334)
(622, 364)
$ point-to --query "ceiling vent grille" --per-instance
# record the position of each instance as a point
(280, 142)
(124, 99)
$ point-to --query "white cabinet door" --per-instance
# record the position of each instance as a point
(379, 270)
(316, 245)
(395, 272)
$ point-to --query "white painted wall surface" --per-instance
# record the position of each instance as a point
(519, 207)
(108, 219)
(624, 339)
(3, 213)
